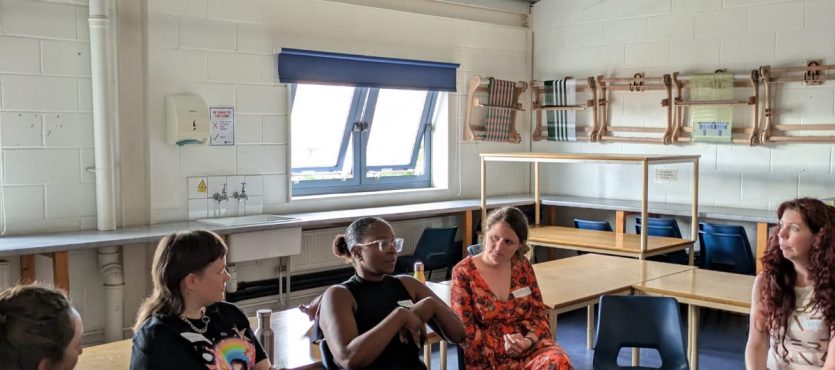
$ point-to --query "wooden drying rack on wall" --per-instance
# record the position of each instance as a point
(540, 129)
(479, 85)
(752, 81)
(636, 83)
(812, 74)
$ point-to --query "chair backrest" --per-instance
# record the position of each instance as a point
(659, 227)
(435, 246)
(726, 248)
(592, 225)
(475, 249)
(328, 363)
(639, 321)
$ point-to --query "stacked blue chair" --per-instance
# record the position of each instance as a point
(592, 225)
(475, 249)
(726, 248)
(666, 227)
(641, 322)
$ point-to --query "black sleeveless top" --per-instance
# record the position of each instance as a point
(375, 301)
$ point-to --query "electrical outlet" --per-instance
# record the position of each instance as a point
(666, 175)
(5, 275)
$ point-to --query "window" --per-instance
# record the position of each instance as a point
(352, 139)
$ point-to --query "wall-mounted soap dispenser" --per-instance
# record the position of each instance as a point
(187, 119)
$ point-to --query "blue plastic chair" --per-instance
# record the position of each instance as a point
(592, 225)
(434, 249)
(666, 227)
(475, 249)
(642, 322)
(726, 248)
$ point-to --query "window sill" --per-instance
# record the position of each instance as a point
(366, 194)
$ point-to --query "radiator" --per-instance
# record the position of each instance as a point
(317, 254)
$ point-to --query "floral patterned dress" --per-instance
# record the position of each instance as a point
(487, 319)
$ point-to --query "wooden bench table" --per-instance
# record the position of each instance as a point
(702, 288)
(605, 242)
(576, 282)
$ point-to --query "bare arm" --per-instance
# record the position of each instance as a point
(350, 350)
(756, 350)
(434, 311)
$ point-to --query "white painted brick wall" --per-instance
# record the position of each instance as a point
(41, 166)
(702, 36)
(53, 20)
(39, 93)
(66, 58)
(26, 57)
(21, 129)
(200, 33)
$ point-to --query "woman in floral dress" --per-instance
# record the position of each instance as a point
(497, 297)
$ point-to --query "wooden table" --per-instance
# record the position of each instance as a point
(293, 349)
(702, 288)
(606, 242)
(576, 282)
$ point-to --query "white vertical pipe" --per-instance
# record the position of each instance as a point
(110, 269)
(104, 134)
(103, 126)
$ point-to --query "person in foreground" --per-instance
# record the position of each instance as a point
(39, 329)
(496, 295)
(793, 300)
(185, 324)
(375, 320)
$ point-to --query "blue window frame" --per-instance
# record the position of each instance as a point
(357, 139)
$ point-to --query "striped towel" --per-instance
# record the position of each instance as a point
(499, 121)
(561, 123)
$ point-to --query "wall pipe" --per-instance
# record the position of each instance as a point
(104, 134)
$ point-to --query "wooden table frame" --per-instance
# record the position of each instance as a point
(643, 160)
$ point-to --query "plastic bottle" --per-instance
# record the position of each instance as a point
(419, 272)
(264, 333)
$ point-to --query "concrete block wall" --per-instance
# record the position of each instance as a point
(225, 51)
(46, 130)
(622, 37)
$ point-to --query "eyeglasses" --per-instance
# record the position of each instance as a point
(384, 244)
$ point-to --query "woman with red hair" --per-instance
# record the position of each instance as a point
(793, 302)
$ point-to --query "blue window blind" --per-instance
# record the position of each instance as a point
(306, 66)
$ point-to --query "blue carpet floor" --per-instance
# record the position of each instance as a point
(722, 342)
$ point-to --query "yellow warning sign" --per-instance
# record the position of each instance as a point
(201, 188)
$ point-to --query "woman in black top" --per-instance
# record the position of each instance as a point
(185, 324)
(373, 320)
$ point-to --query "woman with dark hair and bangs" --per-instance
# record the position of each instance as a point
(793, 300)
(185, 324)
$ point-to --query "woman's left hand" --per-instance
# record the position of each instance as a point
(516, 345)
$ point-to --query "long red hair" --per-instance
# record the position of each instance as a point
(779, 277)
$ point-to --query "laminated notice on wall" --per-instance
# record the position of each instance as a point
(223, 125)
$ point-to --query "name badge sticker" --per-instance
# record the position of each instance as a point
(522, 292)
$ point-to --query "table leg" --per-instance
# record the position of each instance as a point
(762, 243)
(620, 222)
(61, 270)
(427, 355)
(552, 321)
(289, 275)
(693, 336)
(27, 268)
(467, 233)
(443, 354)
(590, 326)
(636, 356)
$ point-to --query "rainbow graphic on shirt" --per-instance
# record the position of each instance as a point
(234, 354)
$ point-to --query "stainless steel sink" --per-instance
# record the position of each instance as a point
(248, 220)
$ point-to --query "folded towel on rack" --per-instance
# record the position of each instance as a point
(499, 120)
(561, 123)
(712, 123)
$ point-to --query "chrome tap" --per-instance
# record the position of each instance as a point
(218, 197)
(242, 195)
